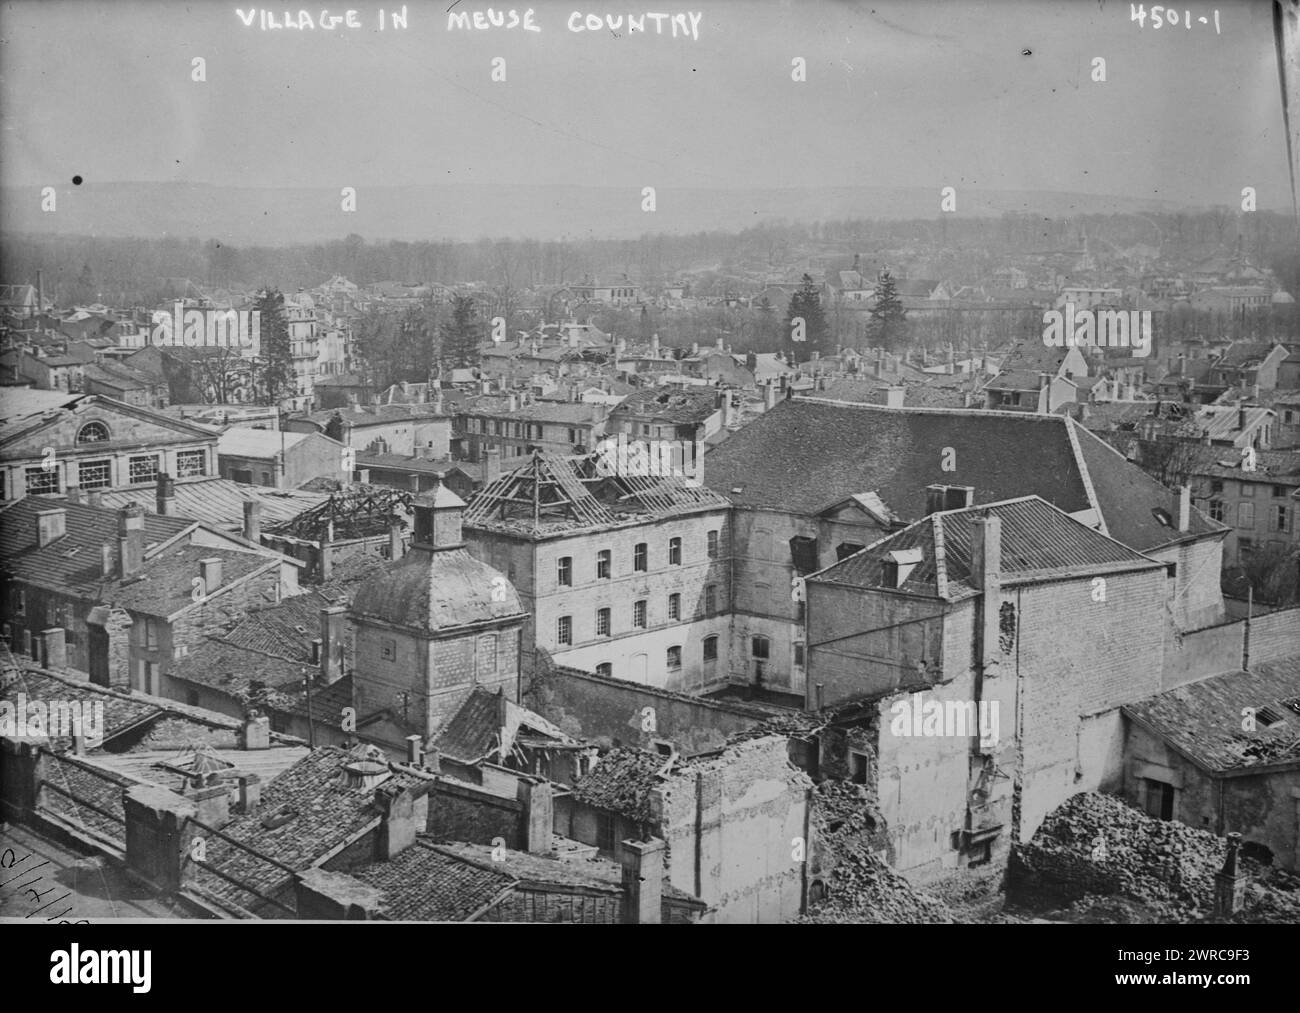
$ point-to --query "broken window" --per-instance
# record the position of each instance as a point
(846, 549)
(1159, 799)
(1006, 627)
(803, 551)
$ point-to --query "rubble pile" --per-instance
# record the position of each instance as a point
(1094, 849)
(859, 885)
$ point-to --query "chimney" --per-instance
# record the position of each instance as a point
(413, 480)
(51, 525)
(250, 793)
(894, 397)
(395, 546)
(332, 643)
(256, 731)
(253, 520)
(643, 881)
(695, 348)
(130, 540)
(1184, 508)
(769, 397)
(165, 495)
(513, 403)
(210, 573)
(538, 816)
(315, 651)
(107, 559)
(1241, 417)
(986, 574)
(94, 497)
(654, 345)
(492, 470)
(73, 493)
(414, 751)
(40, 292)
(402, 815)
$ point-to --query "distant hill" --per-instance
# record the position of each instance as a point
(278, 217)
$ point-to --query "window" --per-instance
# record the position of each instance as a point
(20, 602)
(564, 630)
(674, 606)
(487, 654)
(1245, 515)
(388, 649)
(604, 560)
(798, 655)
(638, 614)
(712, 543)
(1248, 489)
(846, 549)
(93, 432)
(674, 658)
(602, 622)
(674, 552)
(710, 648)
(760, 647)
(95, 474)
(150, 635)
(1279, 491)
(1216, 486)
(605, 669)
(41, 481)
(143, 469)
(803, 552)
(640, 557)
(710, 599)
(191, 462)
(1159, 799)
(1279, 518)
(605, 831)
(564, 571)
(1245, 546)
(1216, 510)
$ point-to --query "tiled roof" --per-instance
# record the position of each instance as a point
(166, 584)
(220, 502)
(621, 782)
(232, 670)
(121, 713)
(72, 563)
(1203, 720)
(1035, 357)
(807, 454)
(1280, 467)
(1038, 541)
(325, 813)
(285, 630)
(428, 883)
(472, 732)
(674, 407)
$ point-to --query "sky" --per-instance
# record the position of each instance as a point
(990, 94)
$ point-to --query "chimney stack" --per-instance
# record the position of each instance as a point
(166, 495)
(414, 750)
(107, 559)
(210, 573)
(492, 470)
(1241, 417)
(130, 540)
(395, 546)
(73, 493)
(253, 520)
(1184, 508)
(643, 881)
(894, 397)
(94, 497)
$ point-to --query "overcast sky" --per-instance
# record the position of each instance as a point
(898, 94)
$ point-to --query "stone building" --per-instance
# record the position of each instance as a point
(431, 627)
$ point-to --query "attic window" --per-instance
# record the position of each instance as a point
(1268, 716)
(93, 432)
(1163, 516)
(279, 818)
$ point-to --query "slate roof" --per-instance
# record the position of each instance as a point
(621, 782)
(220, 502)
(1203, 720)
(433, 591)
(1278, 467)
(1038, 542)
(326, 813)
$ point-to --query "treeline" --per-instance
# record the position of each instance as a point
(79, 270)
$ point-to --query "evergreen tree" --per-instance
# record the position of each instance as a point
(276, 354)
(460, 336)
(806, 304)
(334, 427)
(888, 326)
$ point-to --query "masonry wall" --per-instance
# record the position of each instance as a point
(1264, 808)
(1218, 649)
(746, 812)
(1075, 657)
(573, 906)
(460, 813)
(1195, 596)
(612, 712)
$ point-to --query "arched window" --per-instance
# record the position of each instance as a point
(93, 432)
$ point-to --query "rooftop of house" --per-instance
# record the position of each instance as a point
(426, 882)
(260, 443)
(220, 502)
(621, 782)
(1279, 467)
(1203, 720)
(1039, 542)
(559, 412)
(552, 494)
(305, 813)
(486, 726)
(806, 456)
(673, 407)
(1245, 354)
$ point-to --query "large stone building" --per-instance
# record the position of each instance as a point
(430, 628)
